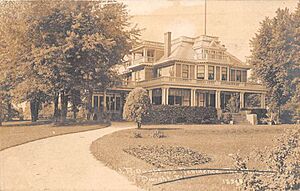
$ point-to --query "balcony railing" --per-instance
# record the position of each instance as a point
(143, 60)
(202, 83)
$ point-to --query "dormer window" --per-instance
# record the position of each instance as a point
(185, 71)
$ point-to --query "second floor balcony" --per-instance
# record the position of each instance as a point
(194, 83)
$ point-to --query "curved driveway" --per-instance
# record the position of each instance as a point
(60, 163)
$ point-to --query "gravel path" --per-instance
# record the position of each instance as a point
(61, 163)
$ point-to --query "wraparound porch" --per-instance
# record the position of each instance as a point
(203, 97)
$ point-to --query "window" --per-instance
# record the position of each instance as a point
(113, 102)
(213, 54)
(150, 55)
(96, 102)
(232, 75)
(200, 72)
(185, 71)
(201, 100)
(175, 100)
(238, 76)
(199, 54)
(179, 97)
(159, 72)
(224, 74)
(218, 73)
(137, 76)
(101, 103)
(118, 103)
(156, 97)
(211, 72)
(244, 76)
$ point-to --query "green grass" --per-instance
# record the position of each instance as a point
(216, 141)
(17, 133)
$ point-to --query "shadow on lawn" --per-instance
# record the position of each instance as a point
(25, 123)
(50, 122)
(160, 129)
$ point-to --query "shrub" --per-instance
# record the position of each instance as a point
(169, 114)
(233, 104)
(282, 160)
(137, 135)
(261, 114)
(136, 106)
(226, 118)
(158, 134)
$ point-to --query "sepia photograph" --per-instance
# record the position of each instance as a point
(149, 95)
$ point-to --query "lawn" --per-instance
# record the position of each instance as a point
(216, 142)
(16, 133)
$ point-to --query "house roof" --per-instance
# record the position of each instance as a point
(184, 49)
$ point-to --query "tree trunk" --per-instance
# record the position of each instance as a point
(139, 124)
(89, 105)
(56, 111)
(9, 111)
(74, 115)
(1, 113)
(34, 110)
(64, 107)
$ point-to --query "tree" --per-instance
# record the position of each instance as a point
(16, 45)
(233, 103)
(275, 57)
(71, 46)
(77, 46)
(252, 100)
(282, 160)
(136, 106)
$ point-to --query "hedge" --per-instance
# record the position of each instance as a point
(169, 114)
(261, 113)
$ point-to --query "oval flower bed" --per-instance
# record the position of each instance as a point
(168, 156)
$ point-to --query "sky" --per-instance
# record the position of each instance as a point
(235, 22)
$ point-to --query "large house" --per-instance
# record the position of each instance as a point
(184, 71)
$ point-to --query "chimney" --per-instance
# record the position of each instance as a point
(167, 51)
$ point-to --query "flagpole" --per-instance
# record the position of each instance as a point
(205, 17)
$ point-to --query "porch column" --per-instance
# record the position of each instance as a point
(242, 104)
(263, 101)
(104, 100)
(228, 74)
(150, 95)
(132, 58)
(218, 99)
(93, 101)
(164, 96)
(193, 97)
(145, 54)
(167, 96)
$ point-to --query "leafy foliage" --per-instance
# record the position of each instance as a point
(137, 105)
(169, 114)
(282, 160)
(275, 57)
(54, 49)
(252, 100)
(233, 104)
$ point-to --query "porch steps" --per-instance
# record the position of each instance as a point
(240, 119)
